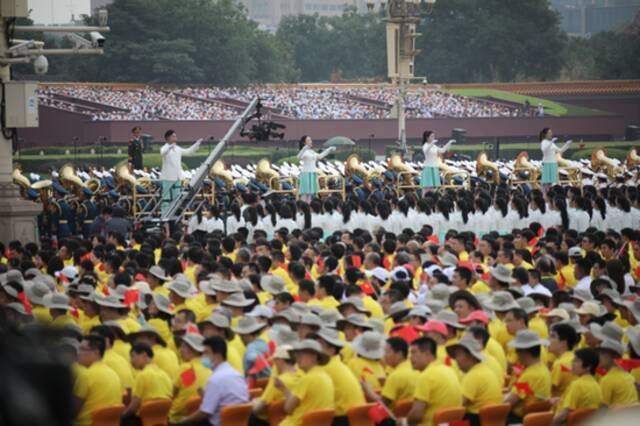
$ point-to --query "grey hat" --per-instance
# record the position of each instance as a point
(300, 308)
(610, 330)
(450, 318)
(180, 287)
(195, 341)
(376, 325)
(469, 343)
(579, 328)
(528, 304)
(582, 295)
(32, 272)
(110, 301)
(613, 345)
(282, 334)
(359, 320)
(272, 284)
(288, 314)
(57, 301)
(526, 339)
(261, 311)
(369, 345)
(48, 280)
(162, 303)
(217, 320)
(244, 284)
(517, 291)
(313, 346)
(148, 329)
(37, 291)
(248, 325)
(575, 251)
(633, 333)
(398, 309)
(357, 303)
(501, 273)
(435, 305)
(633, 307)
(117, 327)
(331, 336)
(502, 301)
(310, 320)
(330, 317)
(81, 289)
(18, 308)
(440, 292)
(569, 307)
(420, 311)
(224, 286)
(448, 259)
(237, 300)
(14, 275)
(158, 272)
(206, 288)
(611, 294)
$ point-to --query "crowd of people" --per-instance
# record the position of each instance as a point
(298, 102)
(431, 300)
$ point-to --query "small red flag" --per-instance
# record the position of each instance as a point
(378, 413)
(188, 377)
(101, 268)
(407, 332)
(601, 371)
(367, 288)
(105, 290)
(523, 387)
(448, 361)
(131, 296)
(192, 328)
(272, 347)
(261, 364)
(565, 369)
(25, 302)
(517, 369)
(628, 364)
(356, 260)
(75, 313)
(386, 262)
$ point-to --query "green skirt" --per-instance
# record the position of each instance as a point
(549, 173)
(430, 177)
(308, 183)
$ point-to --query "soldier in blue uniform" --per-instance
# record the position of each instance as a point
(87, 212)
(135, 149)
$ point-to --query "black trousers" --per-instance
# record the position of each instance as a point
(473, 419)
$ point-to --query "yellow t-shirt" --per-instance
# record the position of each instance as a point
(480, 387)
(494, 366)
(122, 348)
(348, 392)
(184, 393)
(152, 383)
(328, 302)
(99, 386)
(583, 392)
(87, 323)
(480, 287)
(498, 330)
(288, 282)
(346, 353)
(538, 325)
(63, 320)
(167, 360)
(41, 314)
(438, 386)
(401, 383)
(368, 370)
(618, 388)
(561, 375)
(271, 393)
(374, 307)
(190, 272)
(538, 380)
(494, 349)
(121, 366)
(315, 392)
(163, 329)
(162, 290)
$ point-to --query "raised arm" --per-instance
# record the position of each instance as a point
(446, 147)
(193, 148)
(164, 150)
(302, 151)
(565, 146)
(326, 152)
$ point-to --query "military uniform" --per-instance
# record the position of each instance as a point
(135, 153)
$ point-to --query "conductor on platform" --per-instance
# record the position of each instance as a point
(135, 149)
(171, 172)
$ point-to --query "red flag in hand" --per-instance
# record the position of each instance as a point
(367, 288)
(628, 364)
(105, 290)
(524, 388)
(565, 369)
(517, 369)
(26, 304)
(131, 296)
(261, 364)
(192, 328)
(378, 413)
(188, 377)
(601, 371)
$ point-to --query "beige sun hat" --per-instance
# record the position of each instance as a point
(469, 343)
(526, 339)
(359, 320)
(357, 303)
(272, 284)
(181, 287)
(369, 345)
(501, 301)
(283, 352)
(313, 346)
(248, 325)
(557, 312)
(195, 341)
(237, 300)
(501, 273)
(449, 318)
(591, 308)
(57, 301)
(610, 330)
(148, 329)
(331, 336)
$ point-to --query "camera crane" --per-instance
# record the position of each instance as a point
(187, 200)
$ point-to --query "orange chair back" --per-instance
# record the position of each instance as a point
(261, 382)
(359, 415)
(155, 413)
(537, 406)
(448, 415)
(107, 416)
(318, 418)
(401, 408)
(494, 414)
(275, 413)
(543, 418)
(235, 415)
(577, 417)
(255, 392)
(192, 405)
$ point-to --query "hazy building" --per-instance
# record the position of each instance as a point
(584, 17)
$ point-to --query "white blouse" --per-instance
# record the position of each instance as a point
(550, 149)
(431, 152)
(309, 157)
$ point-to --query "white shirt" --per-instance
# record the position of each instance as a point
(215, 224)
(431, 152)
(309, 158)
(584, 283)
(538, 288)
(549, 150)
(172, 160)
(194, 226)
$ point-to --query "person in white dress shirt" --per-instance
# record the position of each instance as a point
(549, 161)
(308, 178)
(430, 177)
(171, 171)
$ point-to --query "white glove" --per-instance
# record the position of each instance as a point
(333, 148)
(452, 141)
(569, 142)
(554, 140)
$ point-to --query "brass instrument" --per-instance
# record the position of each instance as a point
(484, 166)
(329, 184)
(450, 172)
(633, 159)
(42, 186)
(219, 170)
(600, 161)
(69, 179)
(574, 175)
(405, 174)
(19, 179)
(125, 179)
(353, 167)
(524, 172)
(265, 174)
